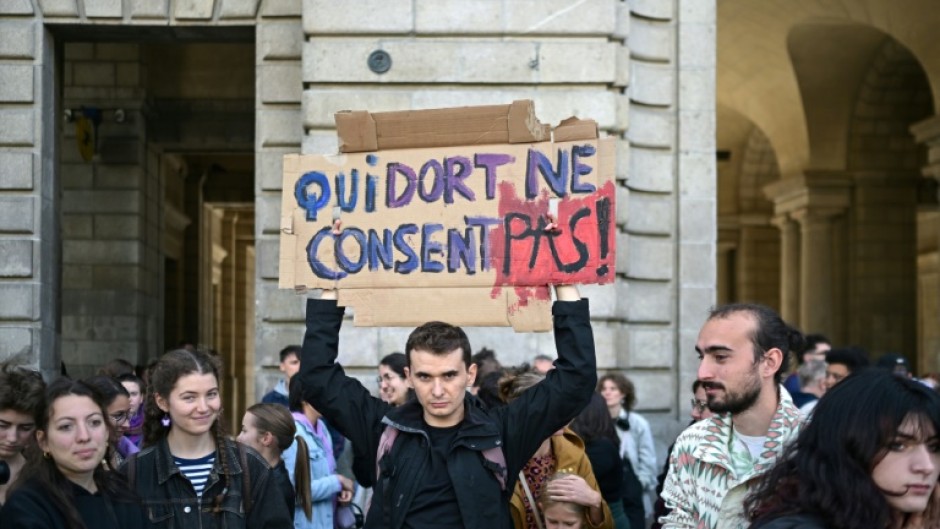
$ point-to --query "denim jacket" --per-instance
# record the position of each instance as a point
(324, 484)
(170, 501)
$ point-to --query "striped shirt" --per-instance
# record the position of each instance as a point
(196, 470)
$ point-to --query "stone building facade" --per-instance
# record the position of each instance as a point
(168, 231)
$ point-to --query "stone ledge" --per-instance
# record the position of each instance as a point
(362, 16)
(516, 17)
(343, 60)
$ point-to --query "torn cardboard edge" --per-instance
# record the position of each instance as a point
(363, 131)
(464, 306)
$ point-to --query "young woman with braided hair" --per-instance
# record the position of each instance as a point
(190, 474)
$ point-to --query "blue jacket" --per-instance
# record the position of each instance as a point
(324, 484)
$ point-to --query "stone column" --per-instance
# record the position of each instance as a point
(927, 132)
(817, 303)
(789, 267)
(813, 200)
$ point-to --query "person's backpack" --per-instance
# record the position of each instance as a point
(493, 458)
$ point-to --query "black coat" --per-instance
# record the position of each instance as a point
(519, 427)
(30, 507)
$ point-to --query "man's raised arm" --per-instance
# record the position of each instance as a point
(551, 404)
(341, 399)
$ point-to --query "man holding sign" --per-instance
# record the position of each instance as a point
(442, 459)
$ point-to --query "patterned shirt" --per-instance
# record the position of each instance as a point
(703, 487)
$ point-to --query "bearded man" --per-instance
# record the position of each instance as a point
(742, 350)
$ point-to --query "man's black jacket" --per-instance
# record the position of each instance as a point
(519, 427)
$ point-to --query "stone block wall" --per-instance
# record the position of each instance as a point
(111, 253)
(28, 226)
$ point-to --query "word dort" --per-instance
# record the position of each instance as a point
(443, 180)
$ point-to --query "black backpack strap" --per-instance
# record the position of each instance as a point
(246, 479)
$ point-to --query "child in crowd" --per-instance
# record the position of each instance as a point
(560, 514)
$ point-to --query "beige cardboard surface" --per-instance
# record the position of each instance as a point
(444, 215)
(361, 131)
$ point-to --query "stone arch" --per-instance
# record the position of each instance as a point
(748, 254)
(884, 162)
(894, 94)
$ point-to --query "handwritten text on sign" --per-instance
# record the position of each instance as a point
(454, 216)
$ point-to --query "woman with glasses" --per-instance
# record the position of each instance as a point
(393, 388)
(117, 403)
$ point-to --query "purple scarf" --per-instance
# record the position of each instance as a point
(321, 433)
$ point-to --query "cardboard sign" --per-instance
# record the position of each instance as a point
(455, 233)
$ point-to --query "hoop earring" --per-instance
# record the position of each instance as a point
(165, 421)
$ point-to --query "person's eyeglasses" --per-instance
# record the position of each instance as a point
(388, 377)
(699, 405)
(119, 417)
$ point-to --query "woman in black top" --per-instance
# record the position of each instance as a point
(269, 429)
(596, 428)
(67, 481)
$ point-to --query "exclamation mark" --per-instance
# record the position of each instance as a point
(603, 227)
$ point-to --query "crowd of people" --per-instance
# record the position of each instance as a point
(456, 439)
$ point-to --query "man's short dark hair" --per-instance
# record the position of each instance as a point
(853, 358)
(290, 350)
(438, 338)
(21, 390)
(770, 331)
